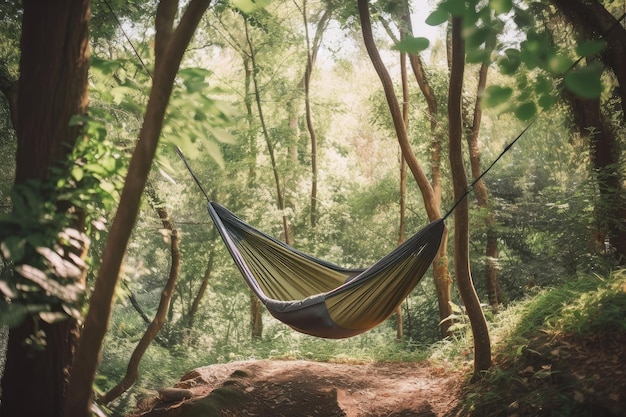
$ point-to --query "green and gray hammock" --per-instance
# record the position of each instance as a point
(316, 297)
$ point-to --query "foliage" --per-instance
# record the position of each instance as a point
(42, 238)
(539, 66)
(545, 347)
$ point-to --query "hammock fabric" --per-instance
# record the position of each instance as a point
(316, 297)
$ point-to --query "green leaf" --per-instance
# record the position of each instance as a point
(13, 248)
(194, 79)
(214, 152)
(477, 56)
(95, 169)
(250, 6)
(585, 82)
(511, 62)
(543, 85)
(590, 48)
(522, 18)
(495, 95)
(546, 101)
(558, 64)
(501, 6)
(222, 136)
(412, 45)
(12, 314)
(77, 173)
(526, 111)
(438, 17)
(477, 36)
(454, 7)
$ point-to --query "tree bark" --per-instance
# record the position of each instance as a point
(170, 46)
(605, 157)
(480, 332)
(52, 88)
(593, 21)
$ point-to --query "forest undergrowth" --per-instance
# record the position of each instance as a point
(558, 353)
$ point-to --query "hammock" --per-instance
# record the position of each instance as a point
(319, 298)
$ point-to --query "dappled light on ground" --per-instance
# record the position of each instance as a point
(304, 388)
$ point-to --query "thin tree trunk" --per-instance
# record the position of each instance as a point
(256, 322)
(441, 272)
(280, 199)
(132, 370)
(52, 88)
(195, 304)
(312, 51)
(418, 173)
(480, 190)
(170, 46)
(251, 136)
(480, 331)
(256, 316)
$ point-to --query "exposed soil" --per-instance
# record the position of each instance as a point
(302, 388)
(555, 375)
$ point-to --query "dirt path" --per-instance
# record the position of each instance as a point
(302, 388)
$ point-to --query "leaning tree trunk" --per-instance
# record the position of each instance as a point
(52, 88)
(482, 344)
(170, 45)
(132, 370)
(416, 169)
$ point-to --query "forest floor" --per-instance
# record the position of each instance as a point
(289, 388)
(571, 376)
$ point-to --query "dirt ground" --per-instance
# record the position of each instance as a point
(279, 388)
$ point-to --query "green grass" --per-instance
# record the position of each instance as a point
(529, 376)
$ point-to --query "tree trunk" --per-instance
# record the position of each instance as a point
(170, 46)
(280, 198)
(593, 21)
(132, 370)
(52, 88)
(480, 332)
(195, 304)
(306, 84)
(604, 151)
(596, 22)
(256, 318)
(480, 189)
(418, 173)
